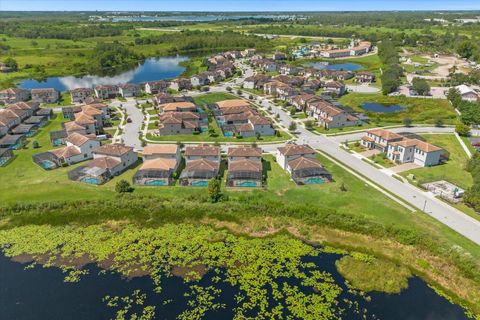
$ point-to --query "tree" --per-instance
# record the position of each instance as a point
(309, 124)
(123, 186)
(229, 89)
(454, 97)
(292, 126)
(466, 49)
(239, 92)
(462, 129)
(11, 63)
(214, 190)
(438, 122)
(258, 135)
(293, 111)
(407, 122)
(421, 86)
(35, 144)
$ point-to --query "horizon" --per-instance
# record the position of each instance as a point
(238, 6)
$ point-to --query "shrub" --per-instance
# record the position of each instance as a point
(123, 186)
(35, 144)
(292, 126)
(462, 129)
(214, 190)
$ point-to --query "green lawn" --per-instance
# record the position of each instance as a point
(419, 110)
(205, 137)
(382, 160)
(452, 171)
(210, 98)
(64, 101)
(372, 124)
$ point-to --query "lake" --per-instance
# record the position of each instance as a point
(336, 66)
(382, 108)
(41, 293)
(151, 70)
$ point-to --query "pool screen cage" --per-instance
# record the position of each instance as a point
(143, 175)
(197, 175)
(85, 172)
(244, 175)
(299, 175)
(47, 160)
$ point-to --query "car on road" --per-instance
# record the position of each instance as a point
(129, 120)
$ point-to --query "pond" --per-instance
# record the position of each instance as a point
(336, 66)
(151, 70)
(382, 108)
(41, 293)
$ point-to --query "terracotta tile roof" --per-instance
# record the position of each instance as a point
(245, 127)
(295, 149)
(418, 144)
(244, 152)
(66, 152)
(159, 164)
(202, 165)
(232, 103)
(73, 126)
(304, 163)
(202, 150)
(237, 109)
(245, 165)
(115, 149)
(160, 149)
(13, 91)
(77, 139)
(259, 120)
(385, 134)
(83, 119)
(104, 163)
(43, 90)
(91, 111)
(174, 106)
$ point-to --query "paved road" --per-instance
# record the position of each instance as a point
(130, 135)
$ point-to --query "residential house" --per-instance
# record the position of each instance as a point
(174, 123)
(291, 152)
(12, 95)
(300, 161)
(279, 56)
(46, 95)
(163, 98)
(94, 113)
(127, 90)
(334, 87)
(12, 141)
(163, 151)
(154, 87)
(330, 116)
(184, 106)
(413, 150)
(256, 82)
(156, 172)
(291, 70)
(311, 85)
(106, 91)
(5, 156)
(248, 52)
(293, 81)
(364, 77)
(27, 130)
(86, 121)
(245, 168)
(8, 120)
(380, 139)
(31, 108)
(467, 93)
(79, 95)
(78, 148)
(203, 151)
(180, 84)
(199, 80)
(123, 155)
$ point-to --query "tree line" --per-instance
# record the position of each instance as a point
(391, 69)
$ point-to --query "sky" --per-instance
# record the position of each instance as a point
(236, 5)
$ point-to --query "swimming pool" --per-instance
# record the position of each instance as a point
(48, 165)
(199, 183)
(313, 181)
(90, 180)
(155, 182)
(249, 184)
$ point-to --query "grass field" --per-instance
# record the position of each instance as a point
(453, 170)
(419, 110)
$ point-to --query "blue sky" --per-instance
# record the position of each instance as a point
(238, 5)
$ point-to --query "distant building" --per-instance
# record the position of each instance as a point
(12, 95)
(79, 95)
(467, 93)
(47, 95)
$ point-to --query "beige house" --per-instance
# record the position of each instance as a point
(12, 95)
(47, 95)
